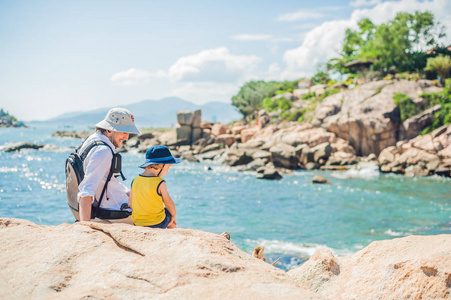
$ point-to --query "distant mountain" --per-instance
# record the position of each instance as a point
(148, 113)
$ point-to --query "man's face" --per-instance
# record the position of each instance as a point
(118, 137)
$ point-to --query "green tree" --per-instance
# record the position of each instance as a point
(251, 95)
(440, 64)
(392, 45)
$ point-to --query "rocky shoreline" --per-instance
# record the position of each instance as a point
(118, 261)
(353, 125)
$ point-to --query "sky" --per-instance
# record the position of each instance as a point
(66, 55)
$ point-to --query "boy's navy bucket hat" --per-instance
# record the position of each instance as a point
(157, 155)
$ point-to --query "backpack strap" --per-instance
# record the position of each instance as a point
(110, 173)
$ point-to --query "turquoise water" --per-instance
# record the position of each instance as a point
(291, 217)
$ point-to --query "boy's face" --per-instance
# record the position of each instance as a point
(165, 170)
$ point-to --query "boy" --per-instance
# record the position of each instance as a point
(152, 206)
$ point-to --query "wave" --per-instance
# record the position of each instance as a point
(364, 170)
(298, 249)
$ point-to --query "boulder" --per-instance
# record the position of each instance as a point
(225, 139)
(298, 93)
(247, 134)
(184, 133)
(11, 147)
(185, 117)
(255, 164)
(416, 124)
(211, 147)
(261, 154)
(305, 83)
(287, 96)
(413, 267)
(119, 261)
(237, 129)
(196, 134)
(321, 152)
(218, 129)
(237, 158)
(284, 156)
(318, 89)
(268, 173)
(197, 118)
(319, 179)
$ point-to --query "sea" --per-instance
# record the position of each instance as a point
(291, 218)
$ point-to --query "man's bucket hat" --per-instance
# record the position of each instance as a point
(119, 119)
(157, 155)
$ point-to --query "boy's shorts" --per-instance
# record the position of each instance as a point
(165, 222)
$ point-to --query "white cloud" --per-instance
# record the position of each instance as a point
(134, 77)
(203, 92)
(252, 37)
(359, 3)
(213, 65)
(325, 41)
(299, 16)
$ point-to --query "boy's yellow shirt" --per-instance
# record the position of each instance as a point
(147, 204)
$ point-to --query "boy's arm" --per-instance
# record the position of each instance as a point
(130, 199)
(168, 203)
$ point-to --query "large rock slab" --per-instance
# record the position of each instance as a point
(367, 117)
(120, 261)
(414, 267)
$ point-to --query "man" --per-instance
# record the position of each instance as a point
(113, 130)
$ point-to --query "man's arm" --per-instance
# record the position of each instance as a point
(97, 165)
(85, 208)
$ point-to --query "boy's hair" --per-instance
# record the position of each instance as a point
(156, 167)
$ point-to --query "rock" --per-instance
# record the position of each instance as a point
(210, 155)
(211, 147)
(413, 267)
(311, 166)
(207, 168)
(218, 129)
(284, 156)
(11, 147)
(268, 173)
(416, 124)
(73, 134)
(305, 83)
(168, 137)
(183, 133)
(225, 139)
(341, 158)
(298, 93)
(189, 156)
(247, 134)
(120, 261)
(237, 158)
(262, 121)
(185, 117)
(146, 135)
(367, 117)
(237, 129)
(287, 96)
(196, 134)
(261, 154)
(318, 89)
(319, 179)
(253, 144)
(255, 164)
(197, 118)
(206, 125)
(321, 151)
